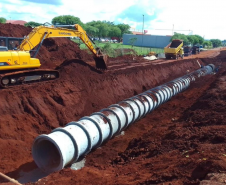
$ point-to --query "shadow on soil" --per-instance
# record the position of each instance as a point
(28, 172)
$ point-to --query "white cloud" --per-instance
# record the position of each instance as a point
(89, 10)
(203, 17)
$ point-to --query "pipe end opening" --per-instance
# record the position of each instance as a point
(47, 155)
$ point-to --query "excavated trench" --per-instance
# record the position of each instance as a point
(178, 143)
(39, 108)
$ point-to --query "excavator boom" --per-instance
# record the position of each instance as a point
(40, 33)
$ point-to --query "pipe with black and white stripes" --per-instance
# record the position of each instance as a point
(66, 145)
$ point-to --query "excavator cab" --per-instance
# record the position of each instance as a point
(10, 42)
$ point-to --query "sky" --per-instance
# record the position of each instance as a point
(160, 17)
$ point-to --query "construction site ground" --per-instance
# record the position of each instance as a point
(181, 142)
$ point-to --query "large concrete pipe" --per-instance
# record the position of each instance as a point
(66, 145)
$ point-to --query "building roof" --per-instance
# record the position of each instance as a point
(136, 33)
(20, 22)
(139, 33)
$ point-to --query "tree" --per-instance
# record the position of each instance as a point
(103, 28)
(2, 20)
(109, 23)
(67, 20)
(181, 37)
(216, 42)
(207, 44)
(114, 31)
(195, 39)
(188, 39)
(132, 41)
(223, 43)
(200, 39)
(32, 24)
(107, 29)
(124, 28)
(91, 30)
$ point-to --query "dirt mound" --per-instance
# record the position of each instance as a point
(56, 50)
(14, 30)
(82, 69)
(210, 109)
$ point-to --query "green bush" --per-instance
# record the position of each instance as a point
(2, 20)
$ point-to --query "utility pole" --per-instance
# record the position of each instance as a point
(142, 34)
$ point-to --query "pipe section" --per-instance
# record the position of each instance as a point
(66, 145)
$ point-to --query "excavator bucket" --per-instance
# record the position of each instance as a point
(101, 61)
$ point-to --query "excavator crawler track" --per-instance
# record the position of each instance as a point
(24, 77)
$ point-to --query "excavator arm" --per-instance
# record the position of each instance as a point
(40, 33)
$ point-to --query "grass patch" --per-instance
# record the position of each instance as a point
(117, 49)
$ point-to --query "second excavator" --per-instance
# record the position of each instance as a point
(18, 66)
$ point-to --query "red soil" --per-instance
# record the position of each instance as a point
(11, 30)
(178, 143)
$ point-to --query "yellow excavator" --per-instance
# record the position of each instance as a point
(18, 67)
